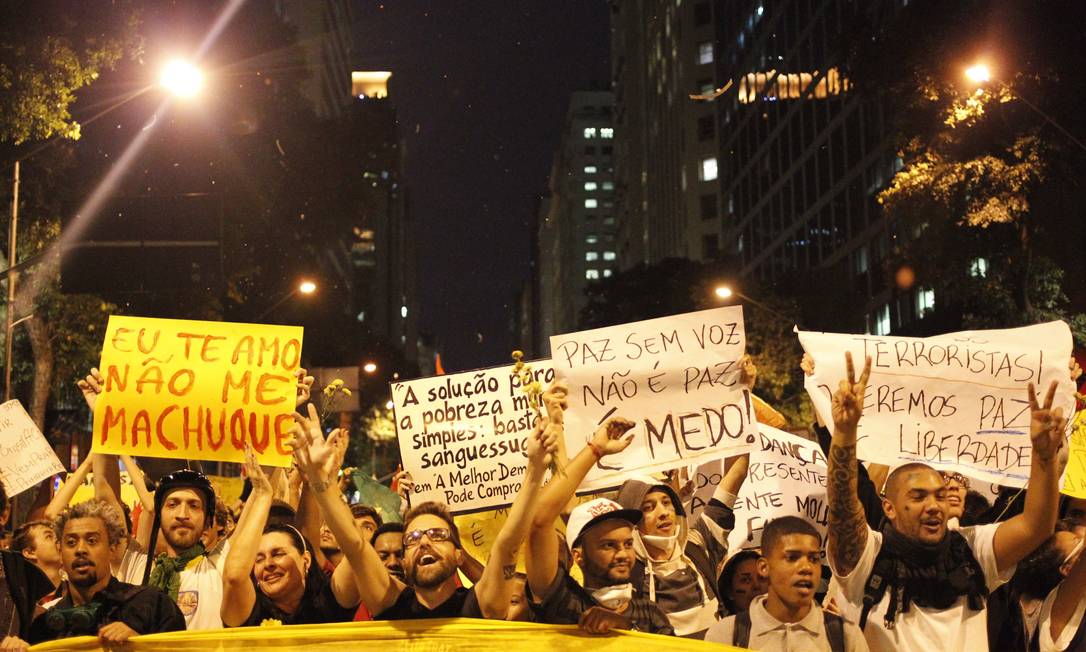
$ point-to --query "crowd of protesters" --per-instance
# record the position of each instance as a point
(916, 560)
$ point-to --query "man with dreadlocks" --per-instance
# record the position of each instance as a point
(916, 584)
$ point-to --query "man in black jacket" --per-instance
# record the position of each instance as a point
(92, 602)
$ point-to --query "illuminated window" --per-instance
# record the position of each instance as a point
(769, 86)
(608, 221)
(608, 185)
(590, 203)
(590, 185)
(607, 132)
(925, 301)
(592, 274)
(708, 169)
(978, 268)
(705, 52)
(589, 132)
(403, 312)
(591, 255)
(607, 273)
(882, 320)
(608, 255)
(591, 239)
(590, 169)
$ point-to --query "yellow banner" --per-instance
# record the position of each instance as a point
(447, 635)
(197, 390)
(1074, 478)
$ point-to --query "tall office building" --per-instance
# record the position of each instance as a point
(326, 43)
(802, 157)
(667, 145)
(577, 230)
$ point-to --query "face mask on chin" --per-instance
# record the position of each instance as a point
(614, 596)
(661, 543)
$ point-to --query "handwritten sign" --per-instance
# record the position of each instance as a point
(1074, 476)
(197, 390)
(956, 401)
(26, 458)
(463, 436)
(786, 477)
(676, 377)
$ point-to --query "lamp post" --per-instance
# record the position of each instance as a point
(980, 74)
(304, 287)
(724, 292)
(9, 311)
(181, 78)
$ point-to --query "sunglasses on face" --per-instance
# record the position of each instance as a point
(435, 534)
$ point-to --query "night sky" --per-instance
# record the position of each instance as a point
(481, 88)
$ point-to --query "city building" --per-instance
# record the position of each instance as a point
(576, 242)
(802, 158)
(325, 40)
(667, 145)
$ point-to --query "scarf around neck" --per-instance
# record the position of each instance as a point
(166, 572)
(929, 575)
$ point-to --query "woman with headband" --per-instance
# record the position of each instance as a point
(269, 572)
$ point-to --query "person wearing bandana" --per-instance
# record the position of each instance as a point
(917, 584)
(184, 508)
(600, 536)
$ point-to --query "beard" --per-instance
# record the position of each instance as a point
(604, 575)
(84, 581)
(183, 540)
(431, 575)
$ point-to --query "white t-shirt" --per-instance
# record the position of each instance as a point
(1044, 629)
(957, 629)
(771, 635)
(199, 596)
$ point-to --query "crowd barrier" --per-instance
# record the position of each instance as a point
(447, 635)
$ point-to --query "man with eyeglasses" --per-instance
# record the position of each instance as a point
(432, 553)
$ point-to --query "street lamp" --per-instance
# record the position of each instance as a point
(369, 367)
(181, 78)
(980, 73)
(303, 287)
(724, 292)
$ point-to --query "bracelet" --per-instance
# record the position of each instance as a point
(595, 450)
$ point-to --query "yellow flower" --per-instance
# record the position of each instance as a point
(329, 390)
(271, 622)
(337, 383)
(346, 392)
(518, 354)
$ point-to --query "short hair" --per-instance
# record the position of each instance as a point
(724, 582)
(22, 538)
(385, 528)
(1039, 572)
(783, 526)
(975, 507)
(93, 508)
(281, 513)
(440, 510)
(898, 475)
(358, 510)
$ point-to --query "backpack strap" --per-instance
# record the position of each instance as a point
(835, 631)
(741, 635)
(882, 573)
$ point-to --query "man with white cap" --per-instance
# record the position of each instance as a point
(600, 537)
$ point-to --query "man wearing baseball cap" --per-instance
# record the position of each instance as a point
(600, 537)
(184, 508)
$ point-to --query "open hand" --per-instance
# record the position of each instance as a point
(1045, 424)
(848, 400)
(257, 478)
(314, 453)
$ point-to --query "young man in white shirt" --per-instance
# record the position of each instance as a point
(918, 585)
(184, 508)
(787, 618)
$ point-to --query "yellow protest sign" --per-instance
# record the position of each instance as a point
(1074, 477)
(197, 390)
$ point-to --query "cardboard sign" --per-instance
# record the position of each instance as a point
(463, 436)
(957, 401)
(197, 390)
(787, 477)
(676, 377)
(26, 457)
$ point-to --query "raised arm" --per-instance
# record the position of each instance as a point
(542, 555)
(496, 584)
(239, 594)
(363, 575)
(309, 523)
(847, 532)
(67, 490)
(1018, 536)
(142, 535)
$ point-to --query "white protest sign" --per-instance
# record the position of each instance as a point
(676, 377)
(462, 436)
(786, 477)
(26, 458)
(957, 401)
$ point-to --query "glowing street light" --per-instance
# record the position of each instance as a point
(307, 287)
(723, 292)
(369, 367)
(181, 78)
(389, 405)
(978, 74)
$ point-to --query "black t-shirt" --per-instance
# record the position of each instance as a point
(566, 600)
(318, 605)
(145, 609)
(461, 604)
